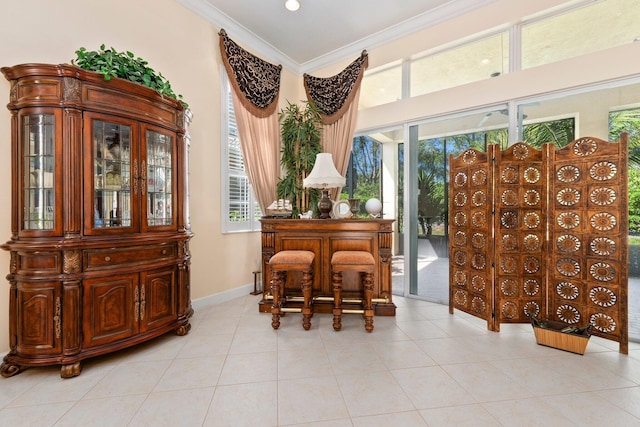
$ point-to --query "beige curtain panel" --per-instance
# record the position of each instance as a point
(255, 88)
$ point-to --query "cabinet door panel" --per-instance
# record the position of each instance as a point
(158, 300)
(158, 186)
(39, 319)
(111, 175)
(41, 172)
(111, 309)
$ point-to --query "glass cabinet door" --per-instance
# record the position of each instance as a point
(38, 140)
(159, 174)
(112, 180)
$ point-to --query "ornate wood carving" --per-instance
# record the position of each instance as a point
(559, 221)
(183, 329)
(57, 319)
(268, 240)
(71, 89)
(520, 242)
(590, 183)
(10, 369)
(471, 257)
(71, 370)
(13, 91)
(72, 262)
(13, 263)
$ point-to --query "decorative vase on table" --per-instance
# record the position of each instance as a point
(355, 207)
(373, 207)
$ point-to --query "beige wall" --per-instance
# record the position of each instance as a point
(184, 48)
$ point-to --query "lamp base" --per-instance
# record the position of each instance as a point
(324, 205)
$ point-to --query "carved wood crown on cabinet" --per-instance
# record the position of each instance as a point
(100, 236)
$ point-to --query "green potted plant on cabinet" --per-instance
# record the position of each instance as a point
(300, 132)
(124, 65)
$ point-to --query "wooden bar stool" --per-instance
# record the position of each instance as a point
(281, 263)
(359, 261)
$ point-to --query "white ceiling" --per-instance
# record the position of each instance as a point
(323, 32)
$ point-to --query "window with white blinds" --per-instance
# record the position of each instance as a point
(240, 210)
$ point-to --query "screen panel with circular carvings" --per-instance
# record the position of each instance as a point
(470, 226)
(553, 224)
(590, 233)
(519, 231)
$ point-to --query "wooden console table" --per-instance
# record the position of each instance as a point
(324, 237)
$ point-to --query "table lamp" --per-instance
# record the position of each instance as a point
(324, 175)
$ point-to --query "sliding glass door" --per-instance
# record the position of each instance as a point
(430, 145)
(413, 178)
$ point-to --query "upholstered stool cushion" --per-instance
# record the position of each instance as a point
(292, 259)
(352, 259)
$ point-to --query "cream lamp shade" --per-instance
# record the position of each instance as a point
(324, 175)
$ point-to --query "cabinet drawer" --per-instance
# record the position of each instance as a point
(38, 262)
(100, 258)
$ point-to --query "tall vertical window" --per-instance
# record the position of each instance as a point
(363, 173)
(240, 209)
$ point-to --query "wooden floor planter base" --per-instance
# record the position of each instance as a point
(552, 337)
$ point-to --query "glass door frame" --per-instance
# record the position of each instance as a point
(90, 174)
(410, 288)
(148, 182)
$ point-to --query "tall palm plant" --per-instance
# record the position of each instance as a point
(560, 132)
(300, 132)
(430, 200)
(629, 121)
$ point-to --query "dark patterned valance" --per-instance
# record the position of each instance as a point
(255, 81)
(333, 95)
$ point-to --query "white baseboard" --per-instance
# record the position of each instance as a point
(223, 296)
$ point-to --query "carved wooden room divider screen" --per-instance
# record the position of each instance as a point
(543, 233)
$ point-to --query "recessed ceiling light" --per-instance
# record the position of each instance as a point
(292, 5)
(485, 61)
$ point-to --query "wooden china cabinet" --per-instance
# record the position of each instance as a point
(100, 230)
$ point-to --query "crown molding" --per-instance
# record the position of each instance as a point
(440, 14)
(240, 34)
(271, 53)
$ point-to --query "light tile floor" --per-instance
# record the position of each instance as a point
(424, 367)
(433, 282)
